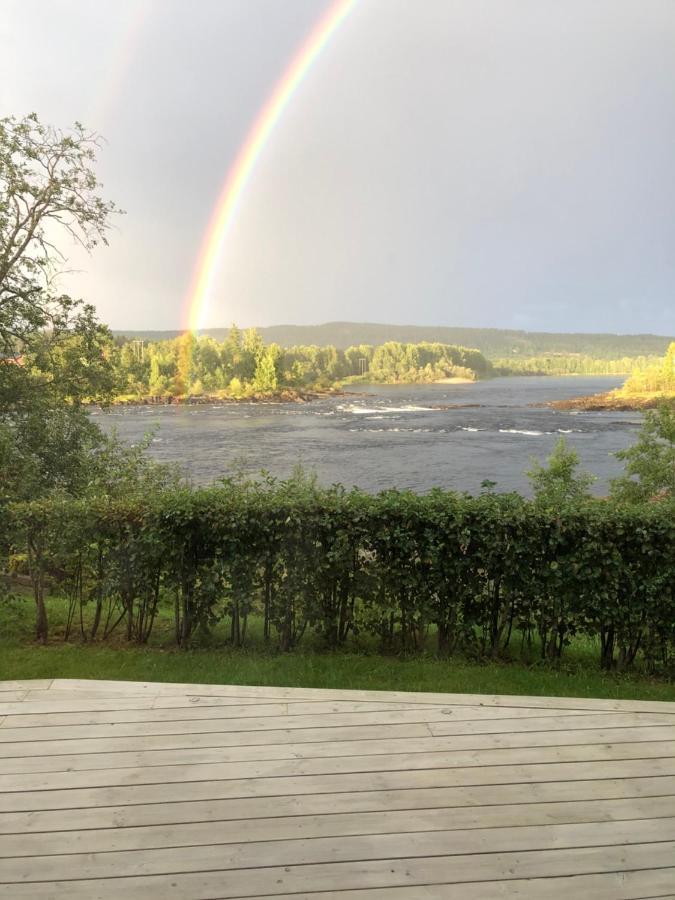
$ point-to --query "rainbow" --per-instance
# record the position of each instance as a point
(240, 173)
(120, 60)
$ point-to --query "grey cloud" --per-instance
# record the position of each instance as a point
(466, 162)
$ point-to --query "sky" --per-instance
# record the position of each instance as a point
(486, 163)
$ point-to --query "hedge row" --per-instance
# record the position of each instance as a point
(476, 575)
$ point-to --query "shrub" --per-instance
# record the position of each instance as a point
(473, 572)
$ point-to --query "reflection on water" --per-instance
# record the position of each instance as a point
(409, 436)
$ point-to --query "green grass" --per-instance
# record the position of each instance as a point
(356, 668)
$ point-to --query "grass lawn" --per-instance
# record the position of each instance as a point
(357, 667)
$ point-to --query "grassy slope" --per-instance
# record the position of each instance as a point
(307, 667)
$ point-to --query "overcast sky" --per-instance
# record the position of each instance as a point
(504, 163)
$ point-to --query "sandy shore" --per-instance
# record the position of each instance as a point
(455, 380)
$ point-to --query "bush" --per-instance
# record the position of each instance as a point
(471, 573)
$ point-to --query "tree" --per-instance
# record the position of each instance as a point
(156, 383)
(48, 190)
(668, 368)
(54, 353)
(650, 464)
(656, 378)
(265, 380)
(47, 185)
(252, 350)
(558, 482)
(231, 351)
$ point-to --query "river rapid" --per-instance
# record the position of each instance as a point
(403, 436)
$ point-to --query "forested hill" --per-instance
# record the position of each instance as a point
(493, 342)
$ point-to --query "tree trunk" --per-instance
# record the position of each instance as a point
(35, 563)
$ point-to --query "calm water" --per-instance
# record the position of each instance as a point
(391, 436)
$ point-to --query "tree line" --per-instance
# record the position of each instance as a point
(243, 365)
(495, 343)
(572, 364)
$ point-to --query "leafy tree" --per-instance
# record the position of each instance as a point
(265, 379)
(650, 463)
(657, 378)
(558, 482)
(47, 186)
(156, 383)
(54, 353)
(48, 190)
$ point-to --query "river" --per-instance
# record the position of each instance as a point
(391, 436)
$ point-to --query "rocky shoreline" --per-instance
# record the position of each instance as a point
(285, 396)
(611, 401)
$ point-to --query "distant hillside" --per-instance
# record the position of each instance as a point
(493, 342)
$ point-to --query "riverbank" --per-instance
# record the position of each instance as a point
(286, 395)
(283, 395)
(616, 401)
(455, 379)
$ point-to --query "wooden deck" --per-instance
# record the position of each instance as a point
(136, 790)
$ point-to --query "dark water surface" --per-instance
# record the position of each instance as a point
(391, 436)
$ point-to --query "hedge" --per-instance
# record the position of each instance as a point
(479, 575)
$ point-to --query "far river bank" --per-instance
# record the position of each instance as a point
(612, 401)
(284, 395)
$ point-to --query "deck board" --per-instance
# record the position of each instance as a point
(111, 789)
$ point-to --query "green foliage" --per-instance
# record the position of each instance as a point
(508, 345)
(572, 364)
(559, 482)
(47, 186)
(659, 377)
(472, 575)
(265, 378)
(54, 354)
(650, 463)
(243, 366)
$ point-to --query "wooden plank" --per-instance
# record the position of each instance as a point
(118, 709)
(441, 759)
(364, 847)
(314, 708)
(100, 736)
(26, 685)
(82, 701)
(336, 826)
(464, 801)
(472, 736)
(20, 719)
(278, 791)
(502, 700)
(609, 886)
(181, 699)
(559, 722)
(486, 744)
(248, 732)
(476, 868)
(196, 789)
